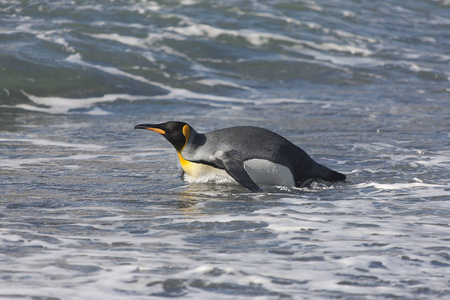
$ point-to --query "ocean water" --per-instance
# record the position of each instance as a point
(92, 209)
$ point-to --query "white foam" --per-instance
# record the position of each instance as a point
(96, 111)
(21, 162)
(173, 93)
(216, 82)
(252, 36)
(60, 105)
(17, 163)
(54, 37)
(188, 2)
(76, 59)
(416, 189)
(258, 38)
(399, 186)
(126, 40)
(436, 159)
(42, 142)
(337, 60)
(143, 42)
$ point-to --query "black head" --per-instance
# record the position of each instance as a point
(177, 133)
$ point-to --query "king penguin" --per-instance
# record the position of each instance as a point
(252, 156)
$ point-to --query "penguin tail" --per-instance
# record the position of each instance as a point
(327, 174)
(334, 176)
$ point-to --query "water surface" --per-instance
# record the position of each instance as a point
(92, 209)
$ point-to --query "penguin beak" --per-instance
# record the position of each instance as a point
(150, 127)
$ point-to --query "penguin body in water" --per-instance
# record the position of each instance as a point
(250, 155)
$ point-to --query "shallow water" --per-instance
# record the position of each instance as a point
(92, 209)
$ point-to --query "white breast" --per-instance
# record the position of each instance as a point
(200, 173)
(264, 172)
(261, 171)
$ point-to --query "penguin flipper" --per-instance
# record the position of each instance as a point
(235, 168)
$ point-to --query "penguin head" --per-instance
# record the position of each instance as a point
(177, 133)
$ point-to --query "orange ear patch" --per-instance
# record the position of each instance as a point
(186, 132)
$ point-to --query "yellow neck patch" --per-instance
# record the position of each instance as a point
(198, 170)
(186, 165)
(192, 169)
